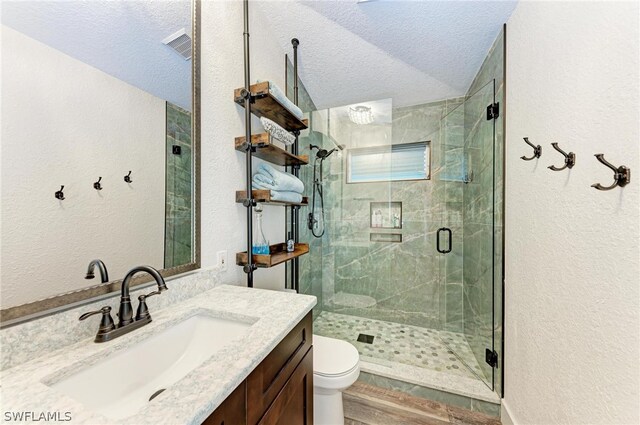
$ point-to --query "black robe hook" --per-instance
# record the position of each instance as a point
(537, 150)
(127, 178)
(569, 159)
(59, 194)
(621, 174)
(97, 185)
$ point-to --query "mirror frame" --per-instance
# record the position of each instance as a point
(44, 307)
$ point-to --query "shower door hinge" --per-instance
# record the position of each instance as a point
(493, 111)
(491, 357)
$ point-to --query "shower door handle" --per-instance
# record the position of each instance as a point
(444, 251)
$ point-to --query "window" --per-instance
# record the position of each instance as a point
(409, 161)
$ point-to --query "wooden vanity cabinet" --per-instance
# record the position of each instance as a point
(294, 403)
(233, 410)
(279, 391)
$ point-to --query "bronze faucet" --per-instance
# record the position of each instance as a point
(126, 323)
(126, 311)
(104, 275)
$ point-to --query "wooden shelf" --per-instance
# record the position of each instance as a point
(264, 197)
(265, 105)
(267, 151)
(278, 255)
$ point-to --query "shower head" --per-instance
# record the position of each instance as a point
(323, 153)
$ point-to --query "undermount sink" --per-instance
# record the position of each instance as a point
(122, 384)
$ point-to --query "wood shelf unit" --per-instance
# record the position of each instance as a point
(266, 105)
(267, 151)
(264, 197)
(278, 255)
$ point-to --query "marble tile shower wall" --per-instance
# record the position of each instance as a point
(399, 282)
(178, 211)
(483, 213)
(449, 192)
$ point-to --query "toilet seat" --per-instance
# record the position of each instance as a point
(333, 358)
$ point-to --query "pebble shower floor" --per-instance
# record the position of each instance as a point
(441, 351)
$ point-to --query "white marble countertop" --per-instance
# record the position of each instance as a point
(188, 401)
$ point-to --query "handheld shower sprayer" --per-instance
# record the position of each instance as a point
(316, 220)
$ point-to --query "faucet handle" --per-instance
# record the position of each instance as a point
(143, 310)
(106, 323)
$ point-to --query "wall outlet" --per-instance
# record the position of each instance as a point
(222, 260)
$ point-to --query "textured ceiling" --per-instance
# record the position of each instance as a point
(411, 51)
(122, 38)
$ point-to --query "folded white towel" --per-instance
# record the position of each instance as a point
(270, 178)
(284, 196)
(277, 132)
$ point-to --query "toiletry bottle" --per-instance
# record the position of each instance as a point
(290, 244)
(378, 218)
(260, 243)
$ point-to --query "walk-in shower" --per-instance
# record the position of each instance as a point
(406, 253)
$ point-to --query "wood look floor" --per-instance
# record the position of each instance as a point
(369, 405)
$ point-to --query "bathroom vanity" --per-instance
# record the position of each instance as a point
(279, 390)
(230, 355)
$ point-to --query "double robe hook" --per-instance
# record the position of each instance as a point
(621, 174)
(537, 150)
(569, 159)
(97, 185)
(60, 194)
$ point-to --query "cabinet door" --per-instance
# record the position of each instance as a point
(233, 411)
(267, 380)
(294, 404)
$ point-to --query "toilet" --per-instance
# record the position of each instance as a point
(336, 366)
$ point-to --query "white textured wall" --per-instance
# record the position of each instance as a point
(66, 123)
(223, 168)
(572, 273)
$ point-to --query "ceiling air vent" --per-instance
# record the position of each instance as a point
(180, 42)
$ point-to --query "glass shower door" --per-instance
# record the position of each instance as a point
(466, 234)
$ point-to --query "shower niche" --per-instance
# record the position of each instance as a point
(386, 215)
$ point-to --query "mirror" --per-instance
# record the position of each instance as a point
(99, 149)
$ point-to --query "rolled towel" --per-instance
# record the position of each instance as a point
(284, 100)
(278, 132)
(272, 179)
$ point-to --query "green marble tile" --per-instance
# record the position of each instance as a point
(416, 390)
(485, 407)
(178, 175)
